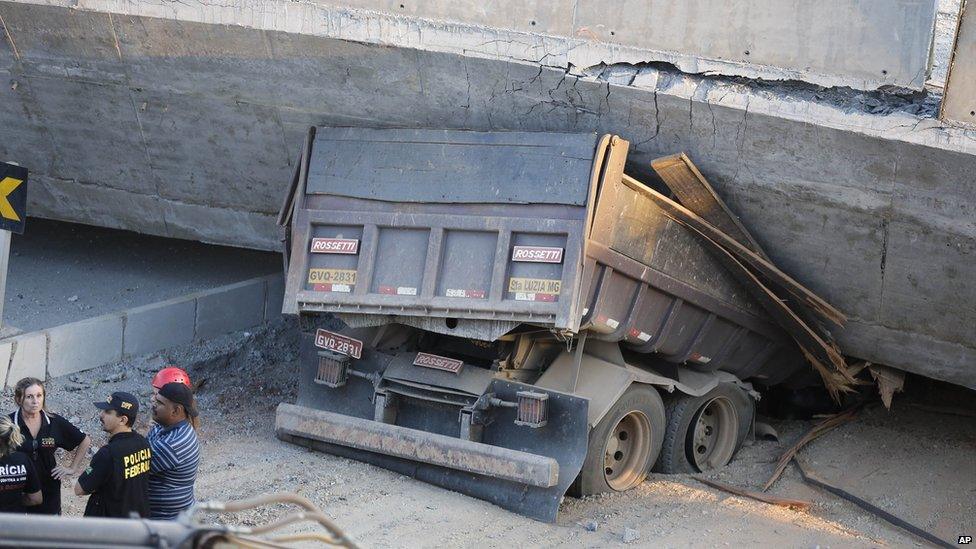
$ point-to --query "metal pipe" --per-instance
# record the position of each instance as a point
(18, 530)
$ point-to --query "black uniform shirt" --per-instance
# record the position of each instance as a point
(118, 478)
(55, 432)
(17, 477)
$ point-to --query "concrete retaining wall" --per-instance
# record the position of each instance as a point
(93, 342)
(189, 128)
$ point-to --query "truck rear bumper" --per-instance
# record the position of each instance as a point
(415, 445)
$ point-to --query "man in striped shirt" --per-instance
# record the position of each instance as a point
(175, 451)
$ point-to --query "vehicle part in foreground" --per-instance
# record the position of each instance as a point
(187, 532)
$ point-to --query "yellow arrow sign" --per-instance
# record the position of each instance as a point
(7, 186)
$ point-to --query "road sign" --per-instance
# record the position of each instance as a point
(13, 197)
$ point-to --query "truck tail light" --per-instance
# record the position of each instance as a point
(333, 370)
(533, 409)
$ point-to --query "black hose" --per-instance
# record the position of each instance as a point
(809, 478)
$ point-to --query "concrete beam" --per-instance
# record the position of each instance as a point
(28, 358)
(873, 211)
(864, 44)
(84, 345)
(230, 308)
(159, 326)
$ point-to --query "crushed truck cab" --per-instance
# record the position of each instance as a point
(504, 314)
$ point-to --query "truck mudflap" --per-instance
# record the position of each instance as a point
(518, 467)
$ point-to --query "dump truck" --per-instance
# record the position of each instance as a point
(510, 316)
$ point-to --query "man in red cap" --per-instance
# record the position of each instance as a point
(175, 452)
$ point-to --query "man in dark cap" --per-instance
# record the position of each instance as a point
(175, 451)
(118, 477)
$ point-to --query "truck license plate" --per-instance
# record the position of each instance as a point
(332, 276)
(338, 343)
(535, 289)
(436, 362)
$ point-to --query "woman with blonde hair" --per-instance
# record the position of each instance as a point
(43, 434)
(19, 483)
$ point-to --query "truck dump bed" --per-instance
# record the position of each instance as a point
(473, 234)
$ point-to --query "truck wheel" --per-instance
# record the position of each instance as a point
(704, 432)
(624, 445)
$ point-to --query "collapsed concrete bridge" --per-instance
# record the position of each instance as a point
(184, 119)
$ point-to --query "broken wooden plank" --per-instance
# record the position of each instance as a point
(890, 381)
(695, 193)
(819, 352)
(815, 432)
(769, 271)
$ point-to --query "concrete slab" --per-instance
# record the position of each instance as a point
(819, 175)
(88, 34)
(863, 44)
(917, 273)
(84, 345)
(29, 357)
(194, 168)
(159, 326)
(234, 307)
(554, 17)
(221, 225)
(80, 202)
(911, 351)
(32, 145)
(859, 40)
(157, 57)
(98, 137)
(62, 272)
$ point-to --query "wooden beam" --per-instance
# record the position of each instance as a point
(695, 193)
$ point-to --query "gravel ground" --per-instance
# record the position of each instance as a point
(914, 463)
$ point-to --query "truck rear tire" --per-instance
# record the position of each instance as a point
(624, 445)
(704, 432)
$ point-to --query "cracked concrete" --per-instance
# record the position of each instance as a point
(753, 38)
(189, 129)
